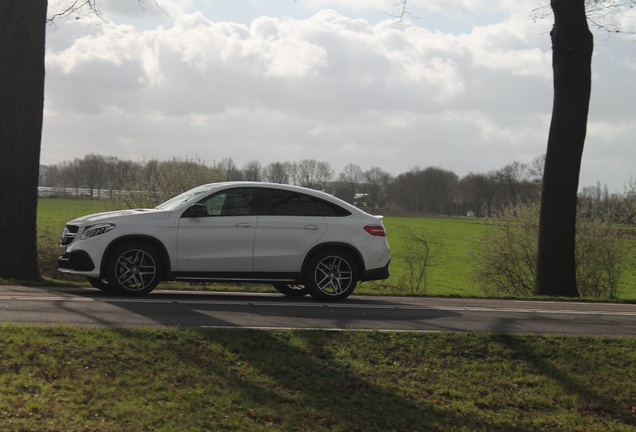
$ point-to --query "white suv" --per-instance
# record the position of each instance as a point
(300, 240)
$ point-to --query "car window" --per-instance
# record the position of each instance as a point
(307, 207)
(288, 203)
(325, 208)
(179, 200)
(278, 202)
(232, 202)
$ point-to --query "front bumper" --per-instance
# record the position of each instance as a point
(75, 261)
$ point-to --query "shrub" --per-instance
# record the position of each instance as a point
(418, 255)
(48, 251)
(600, 259)
(505, 256)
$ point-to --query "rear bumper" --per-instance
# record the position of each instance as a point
(376, 274)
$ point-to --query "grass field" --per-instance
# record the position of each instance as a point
(56, 378)
(60, 378)
(450, 271)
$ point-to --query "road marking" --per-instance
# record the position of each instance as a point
(332, 329)
(344, 305)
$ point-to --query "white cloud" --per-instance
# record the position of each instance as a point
(325, 86)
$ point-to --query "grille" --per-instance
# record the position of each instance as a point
(69, 234)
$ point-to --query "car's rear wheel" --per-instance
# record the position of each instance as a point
(331, 275)
(291, 290)
(99, 283)
(133, 269)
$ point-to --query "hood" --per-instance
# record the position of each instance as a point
(121, 216)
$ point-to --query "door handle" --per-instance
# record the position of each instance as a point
(243, 225)
(311, 227)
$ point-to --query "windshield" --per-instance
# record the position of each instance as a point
(179, 200)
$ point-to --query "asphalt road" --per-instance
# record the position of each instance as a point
(88, 306)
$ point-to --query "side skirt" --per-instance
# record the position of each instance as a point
(237, 277)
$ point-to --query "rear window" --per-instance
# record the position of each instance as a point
(325, 208)
(288, 203)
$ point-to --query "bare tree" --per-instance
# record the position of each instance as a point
(22, 35)
(349, 182)
(376, 186)
(314, 174)
(479, 192)
(124, 176)
(94, 173)
(83, 9)
(307, 173)
(437, 187)
(535, 169)
(67, 176)
(229, 170)
(428, 191)
(253, 171)
(22, 49)
(572, 46)
(49, 175)
(514, 182)
(293, 173)
(276, 172)
(324, 175)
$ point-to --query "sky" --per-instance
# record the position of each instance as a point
(463, 85)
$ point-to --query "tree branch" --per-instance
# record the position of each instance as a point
(85, 8)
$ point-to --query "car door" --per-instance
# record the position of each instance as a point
(285, 231)
(222, 240)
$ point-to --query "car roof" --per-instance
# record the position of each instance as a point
(270, 185)
(301, 189)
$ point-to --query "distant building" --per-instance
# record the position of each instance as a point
(360, 200)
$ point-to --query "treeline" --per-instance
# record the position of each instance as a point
(428, 191)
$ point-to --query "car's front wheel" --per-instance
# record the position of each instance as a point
(133, 269)
(291, 290)
(331, 275)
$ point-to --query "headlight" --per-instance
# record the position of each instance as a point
(95, 230)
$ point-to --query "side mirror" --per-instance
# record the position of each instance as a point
(196, 210)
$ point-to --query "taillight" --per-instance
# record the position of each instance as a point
(375, 230)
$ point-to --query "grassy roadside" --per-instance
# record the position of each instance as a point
(81, 379)
(62, 378)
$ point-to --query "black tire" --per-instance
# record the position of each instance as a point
(133, 269)
(101, 284)
(331, 275)
(291, 290)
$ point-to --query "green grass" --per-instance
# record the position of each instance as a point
(450, 271)
(84, 379)
(54, 213)
(62, 378)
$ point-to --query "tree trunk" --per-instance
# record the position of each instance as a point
(572, 46)
(22, 37)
